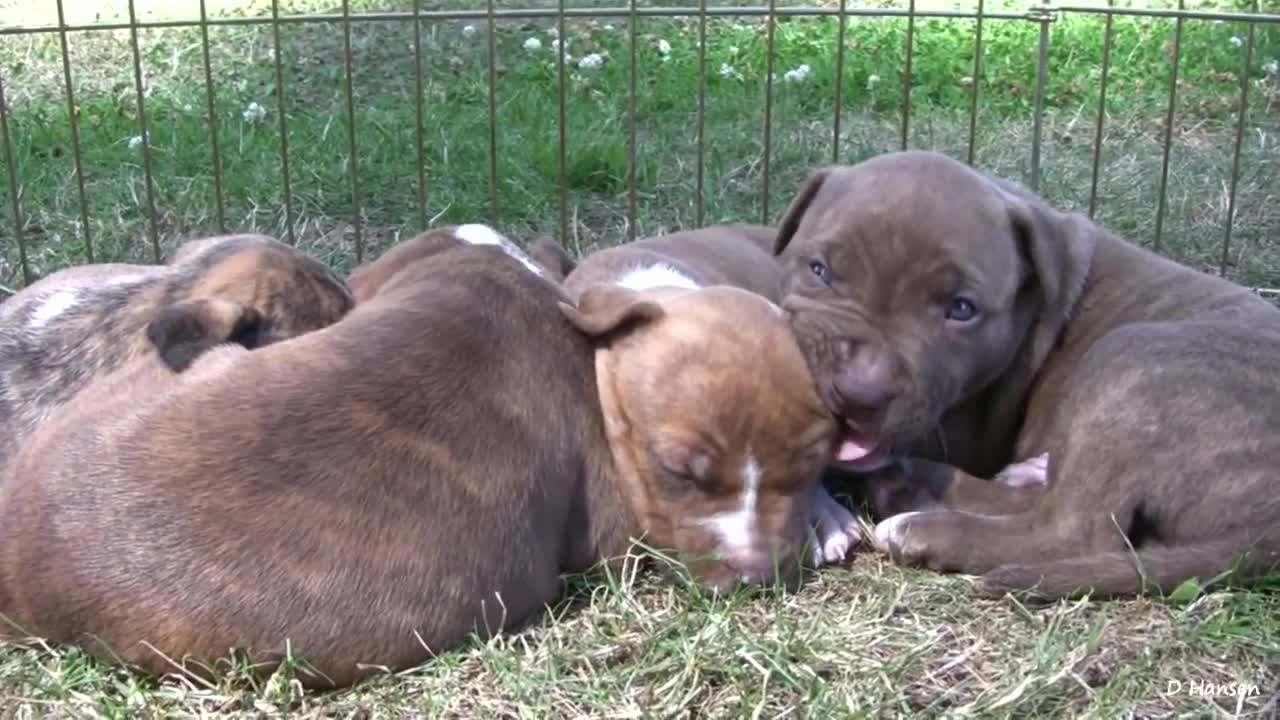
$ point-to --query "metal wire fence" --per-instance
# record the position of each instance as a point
(1044, 15)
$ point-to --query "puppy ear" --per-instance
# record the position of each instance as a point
(551, 256)
(183, 331)
(799, 206)
(1059, 247)
(604, 309)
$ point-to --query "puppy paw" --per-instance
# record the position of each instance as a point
(1033, 472)
(893, 538)
(833, 529)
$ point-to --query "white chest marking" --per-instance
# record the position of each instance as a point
(477, 234)
(53, 306)
(657, 275)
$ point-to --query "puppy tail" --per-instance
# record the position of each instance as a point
(1240, 556)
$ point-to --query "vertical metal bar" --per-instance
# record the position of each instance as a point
(976, 84)
(213, 119)
(1241, 114)
(418, 112)
(1038, 119)
(354, 159)
(1168, 126)
(698, 211)
(564, 176)
(771, 24)
(11, 166)
(1102, 115)
(493, 115)
(281, 110)
(906, 72)
(73, 118)
(152, 231)
(633, 22)
(1042, 76)
(839, 99)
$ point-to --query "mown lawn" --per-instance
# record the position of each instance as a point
(871, 639)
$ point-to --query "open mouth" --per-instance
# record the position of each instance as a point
(859, 451)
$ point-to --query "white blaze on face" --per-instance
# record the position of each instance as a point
(53, 306)
(738, 528)
(658, 275)
(477, 234)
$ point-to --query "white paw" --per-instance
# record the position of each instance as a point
(891, 532)
(833, 530)
(1028, 473)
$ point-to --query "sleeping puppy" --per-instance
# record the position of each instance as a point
(927, 295)
(427, 467)
(724, 255)
(78, 324)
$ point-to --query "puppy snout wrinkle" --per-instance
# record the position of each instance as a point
(866, 384)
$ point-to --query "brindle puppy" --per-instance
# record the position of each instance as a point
(78, 324)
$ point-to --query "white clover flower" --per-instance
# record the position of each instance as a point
(468, 31)
(608, 28)
(733, 50)
(135, 142)
(553, 32)
(254, 113)
(1272, 68)
(1236, 42)
(664, 47)
(729, 72)
(533, 44)
(591, 62)
(799, 74)
(872, 82)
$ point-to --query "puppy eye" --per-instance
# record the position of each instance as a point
(961, 310)
(819, 269)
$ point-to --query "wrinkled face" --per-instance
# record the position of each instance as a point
(908, 290)
(722, 427)
(285, 292)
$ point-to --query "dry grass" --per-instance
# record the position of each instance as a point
(869, 640)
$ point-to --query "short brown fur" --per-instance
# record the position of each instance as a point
(426, 467)
(66, 330)
(1151, 385)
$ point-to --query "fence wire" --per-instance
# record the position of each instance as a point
(1044, 14)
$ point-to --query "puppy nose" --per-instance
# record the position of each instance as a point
(865, 385)
(758, 568)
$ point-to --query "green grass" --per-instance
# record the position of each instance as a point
(455, 128)
(872, 639)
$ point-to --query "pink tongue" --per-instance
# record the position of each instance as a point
(854, 447)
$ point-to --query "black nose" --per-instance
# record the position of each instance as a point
(866, 385)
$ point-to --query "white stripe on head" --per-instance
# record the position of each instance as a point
(737, 528)
(478, 234)
(657, 275)
(53, 306)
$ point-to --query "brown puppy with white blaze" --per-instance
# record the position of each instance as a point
(373, 492)
(734, 255)
(925, 293)
(79, 324)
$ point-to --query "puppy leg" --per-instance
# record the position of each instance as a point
(833, 528)
(954, 541)
(1153, 568)
(1033, 472)
(916, 485)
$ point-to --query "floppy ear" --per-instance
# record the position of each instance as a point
(551, 256)
(604, 309)
(1059, 246)
(183, 331)
(799, 206)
